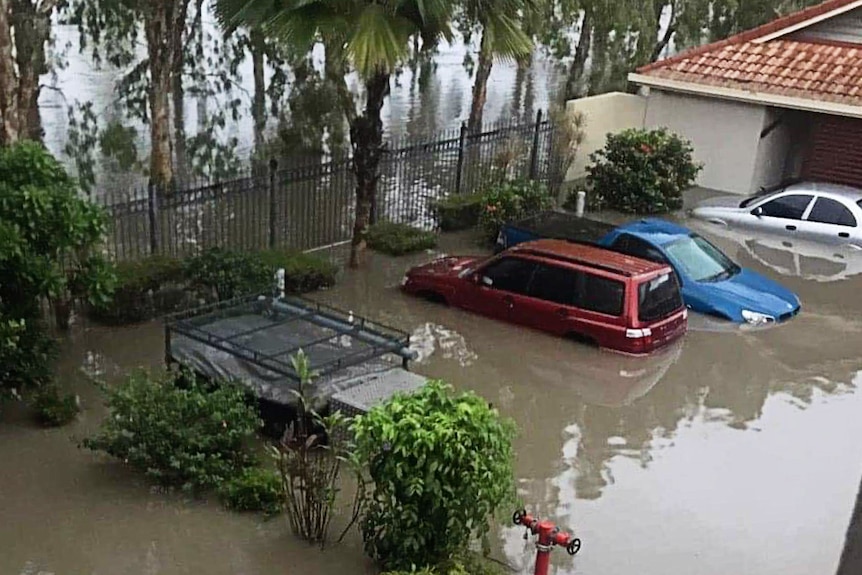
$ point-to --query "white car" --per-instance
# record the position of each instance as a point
(813, 211)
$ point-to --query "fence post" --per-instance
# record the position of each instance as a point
(534, 155)
(153, 213)
(462, 144)
(273, 169)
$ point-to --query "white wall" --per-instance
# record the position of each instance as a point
(603, 114)
(772, 153)
(725, 135)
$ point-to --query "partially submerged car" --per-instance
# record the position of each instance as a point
(710, 281)
(618, 302)
(815, 211)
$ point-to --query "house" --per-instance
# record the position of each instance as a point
(778, 102)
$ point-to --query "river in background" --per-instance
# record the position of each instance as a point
(424, 101)
(732, 452)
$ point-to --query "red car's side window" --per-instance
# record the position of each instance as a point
(509, 274)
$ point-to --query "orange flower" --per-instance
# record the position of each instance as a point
(646, 148)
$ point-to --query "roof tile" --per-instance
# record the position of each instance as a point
(801, 68)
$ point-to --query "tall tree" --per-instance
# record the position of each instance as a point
(501, 35)
(25, 29)
(112, 26)
(373, 39)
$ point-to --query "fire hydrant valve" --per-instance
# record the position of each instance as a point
(549, 536)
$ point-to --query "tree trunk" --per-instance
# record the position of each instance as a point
(8, 81)
(366, 137)
(180, 120)
(164, 27)
(574, 81)
(32, 24)
(480, 85)
(258, 107)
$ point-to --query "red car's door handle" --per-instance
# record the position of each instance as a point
(563, 312)
(509, 301)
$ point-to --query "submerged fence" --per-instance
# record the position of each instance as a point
(312, 205)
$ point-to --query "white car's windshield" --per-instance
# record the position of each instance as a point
(701, 260)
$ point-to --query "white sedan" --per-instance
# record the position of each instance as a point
(810, 211)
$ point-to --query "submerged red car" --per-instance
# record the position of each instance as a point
(613, 300)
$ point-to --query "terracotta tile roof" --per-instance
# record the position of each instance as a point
(810, 69)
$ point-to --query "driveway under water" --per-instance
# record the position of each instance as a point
(731, 452)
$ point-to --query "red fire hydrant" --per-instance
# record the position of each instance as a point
(549, 535)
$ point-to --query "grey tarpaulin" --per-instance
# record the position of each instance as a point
(251, 343)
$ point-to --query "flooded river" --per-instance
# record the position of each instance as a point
(731, 453)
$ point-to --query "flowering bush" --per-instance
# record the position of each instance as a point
(643, 171)
(509, 201)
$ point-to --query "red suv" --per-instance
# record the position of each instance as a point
(616, 301)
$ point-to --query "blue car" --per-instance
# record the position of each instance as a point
(711, 282)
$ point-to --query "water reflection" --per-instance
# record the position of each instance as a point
(792, 257)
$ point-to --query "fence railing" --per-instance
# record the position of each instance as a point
(312, 205)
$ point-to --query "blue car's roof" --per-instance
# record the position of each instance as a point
(656, 231)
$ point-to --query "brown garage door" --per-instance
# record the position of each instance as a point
(835, 154)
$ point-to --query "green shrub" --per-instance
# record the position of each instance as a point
(146, 289)
(178, 430)
(399, 239)
(511, 201)
(228, 274)
(441, 466)
(256, 489)
(458, 212)
(53, 408)
(643, 171)
(302, 272)
(27, 353)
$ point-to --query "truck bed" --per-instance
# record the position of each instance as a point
(554, 225)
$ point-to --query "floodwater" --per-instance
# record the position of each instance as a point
(731, 452)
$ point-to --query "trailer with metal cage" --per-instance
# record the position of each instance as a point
(356, 362)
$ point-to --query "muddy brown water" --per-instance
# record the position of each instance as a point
(731, 452)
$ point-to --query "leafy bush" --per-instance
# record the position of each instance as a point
(49, 251)
(302, 272)
(510, 201)
(256, 489)
(643, 171)
(146, 289)
(399, 239)
(53, 408)
(441, 466)
(26, 355)
(228, 274)
(178, 430)
(458, 212)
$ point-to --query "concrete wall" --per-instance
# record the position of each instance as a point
(725, 135)
(603, 114)
(780, 153)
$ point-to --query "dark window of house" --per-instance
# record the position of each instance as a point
(788, 207)
(828, 211)
(658, 298)
(638, 248)
(510, 274)
(555, 284)
(600, 294)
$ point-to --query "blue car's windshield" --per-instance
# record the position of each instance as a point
(700, 260)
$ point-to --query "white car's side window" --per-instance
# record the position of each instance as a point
(790, 207)
(829, 211)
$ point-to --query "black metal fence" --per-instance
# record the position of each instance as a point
(312, 205)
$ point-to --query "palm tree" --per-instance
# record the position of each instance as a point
(502, 36)
(370, 37)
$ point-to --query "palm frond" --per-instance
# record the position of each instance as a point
(505, 36)
(379, 40)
